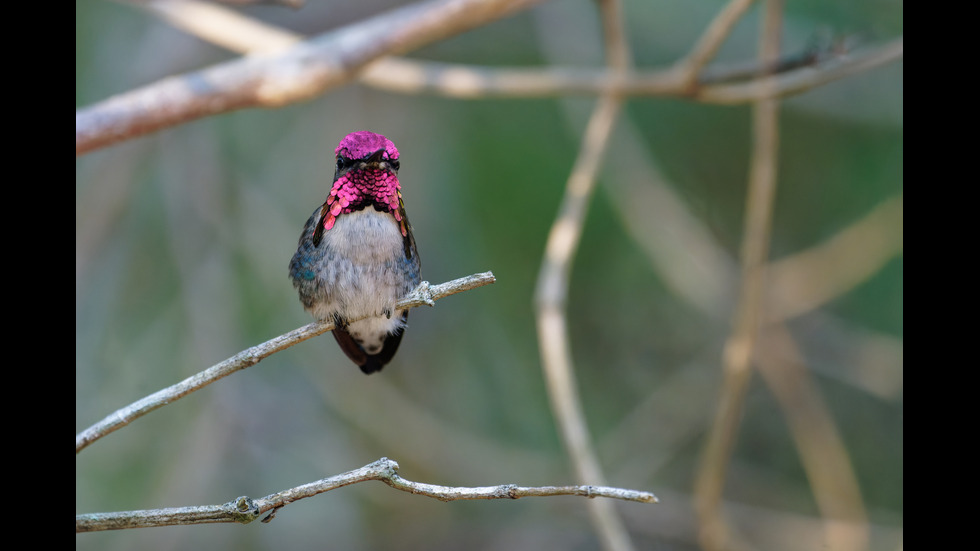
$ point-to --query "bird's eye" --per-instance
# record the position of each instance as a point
(395, 164)
(342, 162)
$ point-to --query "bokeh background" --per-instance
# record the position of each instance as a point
(183, 238)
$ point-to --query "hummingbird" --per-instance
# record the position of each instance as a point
(357, 255)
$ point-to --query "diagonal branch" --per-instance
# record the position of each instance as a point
(244, 510)
(424, 294)
(273, 80)
(716, 84)
(822, 451)
(287, 70)
(802, 79)
(686, 71)
(808, 279)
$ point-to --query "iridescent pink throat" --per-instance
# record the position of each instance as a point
(360, 188)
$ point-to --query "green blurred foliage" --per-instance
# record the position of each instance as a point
(183, 237)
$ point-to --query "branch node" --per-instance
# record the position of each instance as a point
(386, 467)
(244, 510)
(424, 293)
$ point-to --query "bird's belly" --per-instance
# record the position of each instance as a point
(364, 270)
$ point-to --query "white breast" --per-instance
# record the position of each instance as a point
(366, 247)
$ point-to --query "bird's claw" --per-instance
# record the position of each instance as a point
(340, 322)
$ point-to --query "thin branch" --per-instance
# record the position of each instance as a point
(244, 510)
(801, 80)
(686, 71)
(424, 294)
(313, 67)
(273, 80)
(552, 286)
(477, 82)
(740, 348)
(242, 34)
(806, 280)
(224, 27)
(821, 448)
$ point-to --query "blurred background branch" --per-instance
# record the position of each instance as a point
(274, 80)
(715, 534)
(688, 68)
(282, 71)
(552, 288)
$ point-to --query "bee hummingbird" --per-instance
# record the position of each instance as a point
(356, 255)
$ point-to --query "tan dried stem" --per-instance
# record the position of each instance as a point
(463, 81)
(804, 281)
(424, 294)
(822, 451)
(685, 72)
(285, 70)
(671, 236)
(552, 287)
(714, 534)
(224, 27)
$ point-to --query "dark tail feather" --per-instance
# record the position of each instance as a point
(369, 363)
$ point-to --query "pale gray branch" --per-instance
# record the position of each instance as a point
(289, 70)
(424, 294)
(273, 80)
(245, 510)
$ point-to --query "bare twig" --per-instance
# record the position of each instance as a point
(322, 63)
(804, 281)
(474, 82)
(797, 73)
(224, 27)
(273, 80)
(740, 348)
(245, 510)
(424, 294)
(822, 451)
(552, 286)
(686, 70)
(800, 80)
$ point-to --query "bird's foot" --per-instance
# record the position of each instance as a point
(340, 322)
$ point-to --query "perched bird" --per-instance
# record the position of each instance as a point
(356, 255)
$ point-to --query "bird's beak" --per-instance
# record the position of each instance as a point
(376, 156)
